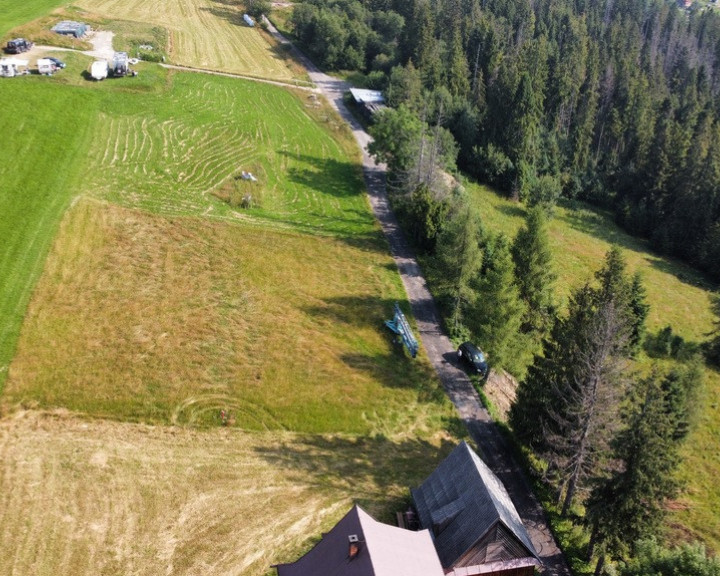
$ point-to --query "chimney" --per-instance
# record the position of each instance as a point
(353, 546)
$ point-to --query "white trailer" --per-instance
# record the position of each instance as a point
(46, 66)
(99, 69)
(11, 67)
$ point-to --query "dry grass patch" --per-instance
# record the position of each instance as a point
(207, 34)
(143, 318)
(89, 498)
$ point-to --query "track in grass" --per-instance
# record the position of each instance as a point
(207, 34)
(168, 152)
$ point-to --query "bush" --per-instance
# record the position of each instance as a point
(686, 560)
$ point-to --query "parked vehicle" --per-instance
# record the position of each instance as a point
(18, 46)
(99, 69)
(58, 63)
(120, 64)
(474, 358)
(11, 67)
(46, 66)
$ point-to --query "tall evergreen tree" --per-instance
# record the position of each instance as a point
(458, 259)
(629, 504)
(498, 313)
(712, 350)
(569, 400)
(534, 272)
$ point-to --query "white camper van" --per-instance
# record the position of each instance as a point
(11, 67)
(99, 69)
(46, 66)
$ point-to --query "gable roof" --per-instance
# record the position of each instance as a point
(384, 550)
(461, 500)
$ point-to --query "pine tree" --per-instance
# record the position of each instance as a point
(497, 316)
(630, 503)
(534, 272)
(458, 259)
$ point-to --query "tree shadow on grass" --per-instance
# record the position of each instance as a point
(223, 10)
(327, 175)
(514, 210)
(367, 468)
(600, 225)
(394, 368)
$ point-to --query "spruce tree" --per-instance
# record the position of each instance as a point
(567, 407)
(534, 272)
(497, 316)
(712, 350)
(629, 504)
(457, 261)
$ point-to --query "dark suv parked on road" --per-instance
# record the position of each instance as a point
(18, 46)
(474, 358)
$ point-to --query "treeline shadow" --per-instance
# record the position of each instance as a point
(602, 226)
(226, 10)
(393, 368)
(367, 468)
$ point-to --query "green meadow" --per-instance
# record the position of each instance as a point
(15, 13)
(678, 295)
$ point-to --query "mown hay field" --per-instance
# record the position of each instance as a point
(208, 34)
(161, 303)
(165, 142)
(94, 497)
(678, 296)
(140, 317)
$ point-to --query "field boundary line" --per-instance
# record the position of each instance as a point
(300, 84)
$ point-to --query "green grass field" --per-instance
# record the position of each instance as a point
(15, 13)
(139, 317)
(580, 237)
(39, 174)
(162, 301)
(164, 142)
(678, 296)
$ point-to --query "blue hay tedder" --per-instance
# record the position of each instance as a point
(400, 326)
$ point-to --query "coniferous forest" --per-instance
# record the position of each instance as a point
(613, 102)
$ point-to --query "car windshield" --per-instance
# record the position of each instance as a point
(478, 358)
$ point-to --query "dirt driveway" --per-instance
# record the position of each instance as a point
(100, 39)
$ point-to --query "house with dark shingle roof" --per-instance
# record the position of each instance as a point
(474, 524)
(359, 545)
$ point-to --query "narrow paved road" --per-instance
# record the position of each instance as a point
(439, 349)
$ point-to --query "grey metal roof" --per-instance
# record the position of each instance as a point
(367, 96)
(463, 485)
(384, 551)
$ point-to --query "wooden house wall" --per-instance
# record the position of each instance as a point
(498, 545)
